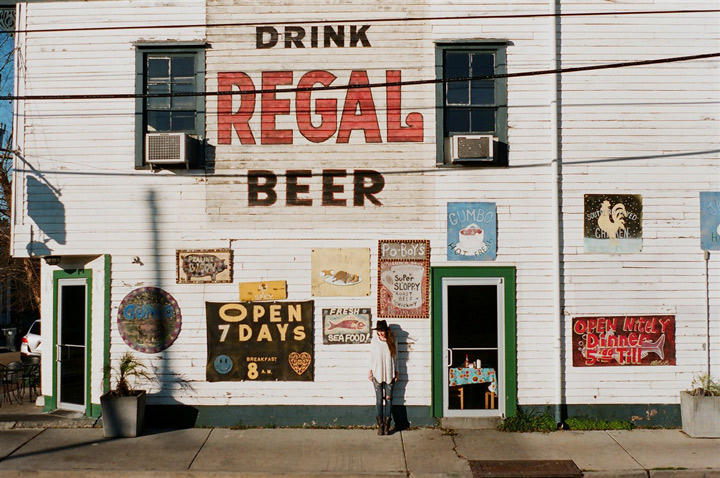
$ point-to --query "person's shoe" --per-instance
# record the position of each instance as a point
(386, 427)
(381, 426)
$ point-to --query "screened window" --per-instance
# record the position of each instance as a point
(170, 74)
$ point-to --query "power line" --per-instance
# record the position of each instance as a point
(556, 71)
(366, 20)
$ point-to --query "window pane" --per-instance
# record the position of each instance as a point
(183, 102)
(162, 102)
(183, 66)
(158, 68)
(483, 64)
(483, 120)
(158, 120)
(457, 93)
(457, 65)
(483, 92)
(457, 120)
(183, 120)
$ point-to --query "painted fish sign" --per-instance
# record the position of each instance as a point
(255, 341)
(149, 320)
(346, 326)
(623, 340)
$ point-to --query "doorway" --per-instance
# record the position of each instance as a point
(71, 347)
(474, 341)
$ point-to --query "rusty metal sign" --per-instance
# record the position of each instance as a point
(623, 340)
(204, 266)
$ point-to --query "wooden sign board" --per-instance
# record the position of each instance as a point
(204, 266)
(403, 279)
(265, 290)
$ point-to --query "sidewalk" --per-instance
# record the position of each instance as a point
(34, 448)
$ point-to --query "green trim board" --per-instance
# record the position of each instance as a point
(52, 399)
(508, 276)
(107, 320)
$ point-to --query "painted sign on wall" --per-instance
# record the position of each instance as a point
(149, 320)
(710, 220)
(613, 223)
(346, 326)
(340, 272)
(403, 279)
(204, 266)
(265, 290)
(623, 340)
(471, 231)
(259, 341)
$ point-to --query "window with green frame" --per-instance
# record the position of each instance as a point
(166, 70)
(471, 100)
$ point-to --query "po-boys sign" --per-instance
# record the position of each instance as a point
(259, 341)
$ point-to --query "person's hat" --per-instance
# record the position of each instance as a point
(381, 325)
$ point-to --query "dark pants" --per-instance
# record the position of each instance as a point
(383, 398)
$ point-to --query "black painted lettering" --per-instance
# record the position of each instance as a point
(261, 32)
(359, 35)
(294, 36)
(367, 190)
(293, 188)
(337, 37)
(313, 37)
(329, 188)
(267, 188)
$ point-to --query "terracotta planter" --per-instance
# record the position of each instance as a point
(123, 416)
(700, 415)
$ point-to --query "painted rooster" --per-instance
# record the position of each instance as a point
(612, 221)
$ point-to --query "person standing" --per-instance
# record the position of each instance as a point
(383, 373)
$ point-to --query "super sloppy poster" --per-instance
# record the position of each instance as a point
(259, 341)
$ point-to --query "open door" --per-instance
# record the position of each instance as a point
(71, 354)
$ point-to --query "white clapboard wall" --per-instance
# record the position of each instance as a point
(648, 130)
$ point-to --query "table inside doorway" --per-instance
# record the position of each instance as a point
(460, 376)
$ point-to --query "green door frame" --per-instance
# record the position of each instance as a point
(51, 401)
(508, 276)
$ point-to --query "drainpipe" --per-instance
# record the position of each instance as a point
(707, 309)
(556, 205)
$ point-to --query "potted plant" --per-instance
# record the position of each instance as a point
(123, 407)
(700, 408)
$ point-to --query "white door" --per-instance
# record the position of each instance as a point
(70, 348)
(473, 338)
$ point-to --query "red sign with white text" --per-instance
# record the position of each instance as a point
(623, 340)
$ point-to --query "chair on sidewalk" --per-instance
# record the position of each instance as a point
(13, 386)
(31, 376)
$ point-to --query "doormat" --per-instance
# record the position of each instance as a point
(525, 469)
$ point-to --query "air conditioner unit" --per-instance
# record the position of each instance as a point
(168, 148)
(472, 147)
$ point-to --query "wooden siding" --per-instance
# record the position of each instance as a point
(650, 130)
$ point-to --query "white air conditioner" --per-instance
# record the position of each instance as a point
(471, 147)
(168, 148)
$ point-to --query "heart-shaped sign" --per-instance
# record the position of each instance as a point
(299, 361)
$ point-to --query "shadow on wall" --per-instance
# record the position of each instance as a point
(399, 412)
(48, 213)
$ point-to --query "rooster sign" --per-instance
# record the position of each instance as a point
(613, 223)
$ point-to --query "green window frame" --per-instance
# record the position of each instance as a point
(471, 106)
(169, 68)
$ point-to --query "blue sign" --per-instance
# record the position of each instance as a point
(471, 231)
(710, 220)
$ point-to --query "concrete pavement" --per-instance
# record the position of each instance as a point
(298, 453)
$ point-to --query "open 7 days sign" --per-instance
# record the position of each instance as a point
(260, 341)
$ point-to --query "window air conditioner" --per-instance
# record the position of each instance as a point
(168, 148)
(470, 148)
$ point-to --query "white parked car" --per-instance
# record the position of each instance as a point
(30, 345)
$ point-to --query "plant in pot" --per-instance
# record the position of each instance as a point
(123, 407)
(700, 408)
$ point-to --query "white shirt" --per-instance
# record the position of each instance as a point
(382, 364)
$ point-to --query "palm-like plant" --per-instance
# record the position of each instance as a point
(704, 386)
(127, 371)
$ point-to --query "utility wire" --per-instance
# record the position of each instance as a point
(556, 71)
(365, 20)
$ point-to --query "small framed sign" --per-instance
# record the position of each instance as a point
(403, 279)
(204, 266)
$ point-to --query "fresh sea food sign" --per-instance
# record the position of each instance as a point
(346, 326)
(259, 341)
(623, 340)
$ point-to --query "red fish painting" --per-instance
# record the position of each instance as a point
(350, 323)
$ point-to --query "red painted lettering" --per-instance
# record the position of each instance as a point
(325, 107)
(359, 98)
(272, 106)
(396, 132)
(229, 120)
